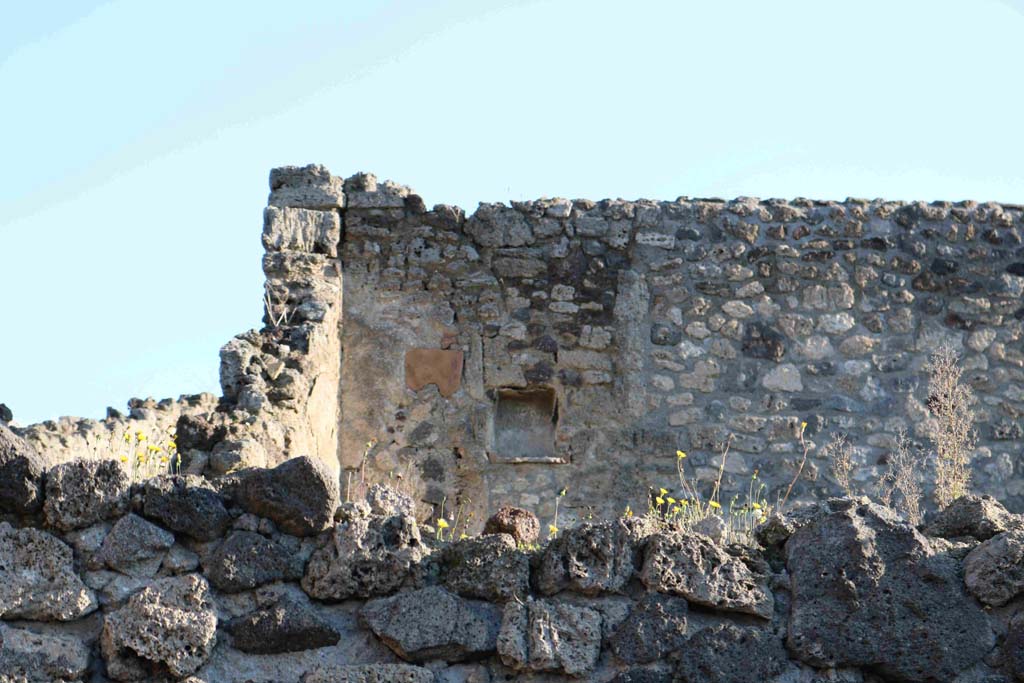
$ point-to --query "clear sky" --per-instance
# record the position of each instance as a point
(136, 138)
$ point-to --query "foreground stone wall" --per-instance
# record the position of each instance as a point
(265, 576)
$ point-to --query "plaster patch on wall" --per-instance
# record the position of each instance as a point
(441, 367)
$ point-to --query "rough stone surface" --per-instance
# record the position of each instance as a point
(21, 474)
(234, 454)
(543, 635)
(521, 524)
(654, 629)
(84, 492)
(591, 558)
(365, 556)
(731, 654)
(980, 517)
(247, 560)
(135, 547)
(168, 628)
(186, 504)
(994, 571)
(432, 623)
(286, 626)
(869, 591)
(692, 566)
(38, 579)
(300, 495)
(489, 567)
(28, 657)
(369, 673)
(386, 501)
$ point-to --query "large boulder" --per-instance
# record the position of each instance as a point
(186, 504)
(168, 628)
(544, 635)
(83, 492)
(654, 629)
(21, 475)
(134, 546)
(980, 517)
(869, 591)
(521, 524)
(38, 579)
(246, 560)
(286, 626)
(365, 556)
(994, 570)
(692, 566)
(432, 623)
(731, 654)
(368, 673)
(487, 567)
(27, 657)
(300, 495)
(592, 558)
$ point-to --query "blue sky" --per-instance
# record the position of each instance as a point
(137, 138)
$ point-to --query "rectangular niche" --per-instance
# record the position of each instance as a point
(524, 426)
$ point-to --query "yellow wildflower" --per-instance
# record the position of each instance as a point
(663, 491)
(680, 454)
(124, 458)
(659, 500)
(127, 437)
(552, 529)
(803, 426)
(671, 500)
(563, 491)
(442, 523)
(715, 504)
(757, 506)
(463, 536)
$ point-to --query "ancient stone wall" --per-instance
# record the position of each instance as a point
(502, 357)
(266, 576)
(554, 343)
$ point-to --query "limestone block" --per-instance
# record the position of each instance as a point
(691, 565)
(170, 626)
(365, 556)
(432, 623)
(38, 579)
(286, 229)
(186, 504)
(308, 187)
(21, 474)
(300, 495)
(27, 657)
(544, 635)
(83, 492)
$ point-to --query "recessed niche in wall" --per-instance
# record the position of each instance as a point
(524, 426)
